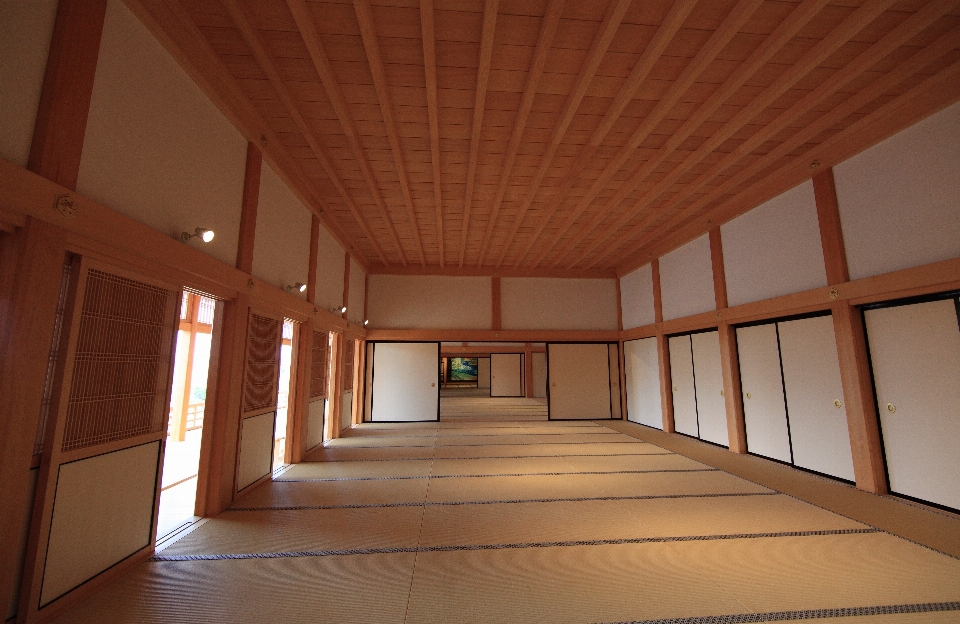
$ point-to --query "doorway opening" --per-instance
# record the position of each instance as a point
(181, 460)
(285, 386)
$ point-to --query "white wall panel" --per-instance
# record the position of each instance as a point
(330, 263)
(281, 247)
(684, 394)
(483, 372)
(615, 391)
(405, 376)
(368, 389)
(539, 375)
(915, 353)
(506, 375)
(711, 407)
(256, 449)
(102, 514)
(156, 149)
(636, 298)
(642, 370)
(762, 385)
(686, 280)
(315, 412)
(346, 410)
(429, 302)
(579, 381)
(558, 303)
(900, 200)
(357, 293)
(26, 29)
(811, 379)
(774, 249)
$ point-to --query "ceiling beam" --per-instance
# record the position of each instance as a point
(601, 42)
(548, 29)
(368, 33)
(430, 71)
(311, 38)
(479, 103)
(651, 54)
(253, 39)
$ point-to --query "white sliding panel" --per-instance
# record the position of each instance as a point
(483, 372)
(579, 381)
(762, 385)
(539, 375)
(315, 411)
(642, 371)
(256, 449)
(614, 353)
(915, 353)
(711, 407)
(405, 377)
(684, 393)
(814, 393)
(506, 375)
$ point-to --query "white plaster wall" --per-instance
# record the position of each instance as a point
(686, 280)
(429, 302)
(558, 303)
(355, 305)
(281, 248)
(330, 263)
(774, 249)
(156, 149)
(900, 200)
(26, 29)
(636, 298)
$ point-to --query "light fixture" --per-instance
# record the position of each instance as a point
(366, 322)
(299, 287)
(202, 233)
(343, 310)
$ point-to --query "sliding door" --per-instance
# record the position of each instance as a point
(261, 379)
(684, 388)
(406, 382)
(642, 372)
(320, 349)
(761, 381)
(708, 375)
(506, 375)
(579, 381)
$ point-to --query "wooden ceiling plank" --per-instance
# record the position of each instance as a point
(266, 62)
(846, 29)
(430, 70)
(311, 38)
(479, 103)
(737, 17)
(372, 47)
(548, 29)
(598, 48)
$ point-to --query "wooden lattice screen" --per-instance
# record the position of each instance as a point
(318, 365)
(349, 346)
(118, 389)
(263, 364)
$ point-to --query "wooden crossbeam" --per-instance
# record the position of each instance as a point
(479, 104)
(430, 72)
(311, 38)
(372, 47)
(548, 29)
(601, 42)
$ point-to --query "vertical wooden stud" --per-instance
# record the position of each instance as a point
(657, 300)
(528, 371)
(300, 393)
(366, 296)
(831, 234)
(619, 306)
(495, 302)
(719, 278)
(346, 283)
(248, 211)
(332, 423)
(312, 263)
(359, 352)
(663, 352)
(732, 396)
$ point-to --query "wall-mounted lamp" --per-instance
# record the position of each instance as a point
(299, 287)
(202, 233)
(343, 310)
(366, 322)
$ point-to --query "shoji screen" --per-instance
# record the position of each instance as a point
(506, 375)
(319, 349)
(684, 388)
(711, 408)
(98, 487)
(643, 382)
(579, 381)
(261, 375)
(915, 354)
(761, 381)
(405, 382)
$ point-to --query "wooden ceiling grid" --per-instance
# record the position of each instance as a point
(603, 131)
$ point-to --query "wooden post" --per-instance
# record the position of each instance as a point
(248, 209)
(332, 423)
(346, 284)
(831, 234)
(359, 352)
(495, 302)
(663, 352)
(528, 371)
(312, 262)
(719, 276)
(299, 401)
(729, 359)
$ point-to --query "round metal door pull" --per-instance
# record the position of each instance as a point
(838, 403)
(891, 408)
(749, 396)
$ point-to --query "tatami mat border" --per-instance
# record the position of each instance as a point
(505, 474)
(346, 448)
(809, 614)
(633, 441)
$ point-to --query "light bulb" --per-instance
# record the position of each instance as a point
(303, 288)
(207, 236)
(343, 310)
(366, 322)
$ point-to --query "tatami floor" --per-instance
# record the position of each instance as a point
(530, 522)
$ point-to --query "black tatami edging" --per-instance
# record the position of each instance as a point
(807, 614)
(505, 474)
(381, 459)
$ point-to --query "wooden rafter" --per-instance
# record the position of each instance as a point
(598, 48)
(479, 103)
(372, 47)
(544, 41)
(641, 71)
(308, 31)
(430, 72)
(258, 47)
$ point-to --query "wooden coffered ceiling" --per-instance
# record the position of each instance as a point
(556, 137)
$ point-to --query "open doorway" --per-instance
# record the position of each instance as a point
(187, 401)
(284, 387)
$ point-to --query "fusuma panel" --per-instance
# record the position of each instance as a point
(764, 409)
(642, 371)
(579, 381)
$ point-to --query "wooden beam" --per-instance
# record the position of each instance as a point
(666, 383)
(719, 275)
(490, 335)
(248, 208)
(61, 122)
(488, 271)
(430, 72)
(598, 49)
(368, 33)
(346, 284)
(831, 234)
(495, 303)
(732, 395)
(312, 262)
(479, 99)
(528, 371)
(657, 298)
(548, 29)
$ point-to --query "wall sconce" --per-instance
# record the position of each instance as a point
(343, 310)
(299, 287)
(366, 322)
(202, 233)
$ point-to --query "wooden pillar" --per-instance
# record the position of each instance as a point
(359, 357)
(31, 262)
(335, 389)
(528, 371)
(312, 263)
(346, 284)
(729, 359)
(831, 234)
(299, 402)
(67, 88)
(663, 352)
(495, 302)
(366, 297)
(248, 209)
(719, 277)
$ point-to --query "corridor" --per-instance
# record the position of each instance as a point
(528, 522)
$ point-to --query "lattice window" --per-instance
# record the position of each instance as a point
(53, 355)
(349, 346)
(118, 385)
(318, 365)
(263, 364)
(205, 311)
